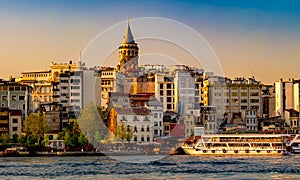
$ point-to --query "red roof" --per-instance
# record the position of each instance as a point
(133, 111)
(177, 130)
(15, 112)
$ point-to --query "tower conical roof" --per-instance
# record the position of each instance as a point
(128, 37)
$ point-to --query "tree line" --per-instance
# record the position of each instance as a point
(87, 129)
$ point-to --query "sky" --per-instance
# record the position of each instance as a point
(250, 38)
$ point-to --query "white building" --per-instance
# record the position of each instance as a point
(284, 92)
(297, 96)
(164, 91)
(251, 120)
(111, 81)
(157, 111)
(15, 122)
(189, 122)
(184, 92)
(140, 119)
(208, 119)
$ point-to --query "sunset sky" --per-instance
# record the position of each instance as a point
(255, 37)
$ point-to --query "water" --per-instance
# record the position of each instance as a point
(171, 167)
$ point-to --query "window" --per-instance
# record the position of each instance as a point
(75, 81)
(234, 101)
(21, 98)
(14, 97)
(243, 107)
(254, 94)
(155, 115)
(169, 106)
(169, 92)
(148, 138)
(254, 107)
(75, 100)
(135, 129)
(244, 101)
(15, 128)
(217, 94)
(64, 81)
(161, 86)
(142, 129)
(167, 128)
(135, 138)
(244, 93)
(254, 100)
(15, 120)
(142, 139)
(75, 87)
(148, 128)
(4, 98)
(75, 94)
(161, 92)
(169, 99)
(169, 86)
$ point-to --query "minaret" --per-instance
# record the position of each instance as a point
(128, 52)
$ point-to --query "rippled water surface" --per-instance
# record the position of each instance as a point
(171, 167)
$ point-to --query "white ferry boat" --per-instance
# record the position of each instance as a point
(238, 144)
(294, 144)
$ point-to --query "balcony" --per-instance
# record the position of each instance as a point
(3, 121)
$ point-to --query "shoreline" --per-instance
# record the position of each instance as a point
(75, 153)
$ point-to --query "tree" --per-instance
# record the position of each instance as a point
(82, 140)
(21, 139)
(4, 138)
(15, 138)
(102, 112)
(35, 127)
(46, 140)
(70, 134)
(90, 123)
(68, 139)
(124, 132)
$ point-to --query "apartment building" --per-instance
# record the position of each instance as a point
(232, 96)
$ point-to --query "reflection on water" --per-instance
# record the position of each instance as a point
(178, 167)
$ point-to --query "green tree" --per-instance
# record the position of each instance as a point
(91, 124)
(35, 127)
(68, 139)
(82, 140)
(4, 138)
(124, 132)
(22, 139)
(70, 134)
(14, 138)
(46, 140)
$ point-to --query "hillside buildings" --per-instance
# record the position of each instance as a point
(153, 100)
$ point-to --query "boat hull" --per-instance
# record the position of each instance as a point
(194, 152)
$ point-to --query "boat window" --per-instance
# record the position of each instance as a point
(295, 144)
